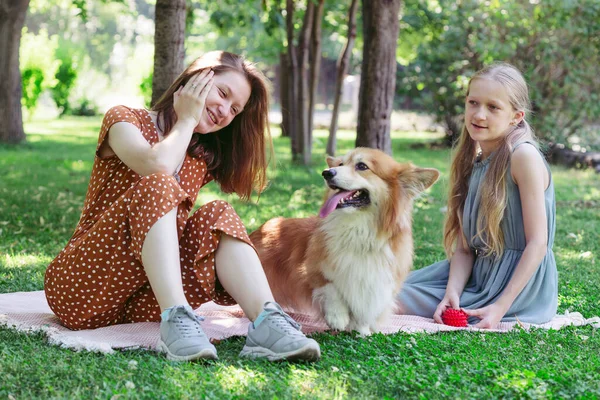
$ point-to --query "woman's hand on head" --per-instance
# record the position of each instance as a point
(189, 100)
(450, 300)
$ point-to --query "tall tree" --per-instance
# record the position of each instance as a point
(315, 61)
(12, 18)
(169, 39)
(301, 74)
(304, 65)
(378, 76)
(342, 69)
(290, 107)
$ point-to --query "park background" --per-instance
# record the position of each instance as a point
(78, 58)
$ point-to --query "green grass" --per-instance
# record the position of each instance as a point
(42, 187)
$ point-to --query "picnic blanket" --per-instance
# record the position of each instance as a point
(29, 312)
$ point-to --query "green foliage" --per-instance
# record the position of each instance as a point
(146, 89)
(36, 57)
(556, 44)
(85, 108)
(65, 79)
(258, 28)
(110, 35)
(42, 188)
(32, 80)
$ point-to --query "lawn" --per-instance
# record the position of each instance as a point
(42, 187)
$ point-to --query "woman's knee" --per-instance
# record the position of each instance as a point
(158, 180)
(156, 191)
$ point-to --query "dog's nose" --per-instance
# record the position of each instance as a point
(328, 174)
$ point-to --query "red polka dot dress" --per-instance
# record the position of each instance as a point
(98, 278)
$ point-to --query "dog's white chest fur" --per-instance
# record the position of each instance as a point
(360, 268)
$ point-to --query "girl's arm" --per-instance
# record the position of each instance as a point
(530, 174)
(128, 143)
(461, 265)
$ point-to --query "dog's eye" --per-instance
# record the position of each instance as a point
(361, 166)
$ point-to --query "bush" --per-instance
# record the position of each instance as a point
(65, 79)
(146, 89)
(32, 79)
(555, 44)
(38, 66)
(85, 108)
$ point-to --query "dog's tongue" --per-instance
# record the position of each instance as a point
(332, 203)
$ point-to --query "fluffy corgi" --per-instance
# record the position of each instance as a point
(350, 261)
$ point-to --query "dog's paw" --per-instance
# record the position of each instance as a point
(363, 330)
(337, 319)
(335, 311)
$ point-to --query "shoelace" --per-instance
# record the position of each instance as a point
(283, 320)
(187, 330)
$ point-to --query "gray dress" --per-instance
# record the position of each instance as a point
(425, 288)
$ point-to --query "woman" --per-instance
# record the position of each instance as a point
(137, 255)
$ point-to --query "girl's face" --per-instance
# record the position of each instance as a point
(226, 99)
(489, 116)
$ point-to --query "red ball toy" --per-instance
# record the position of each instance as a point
(454, 317)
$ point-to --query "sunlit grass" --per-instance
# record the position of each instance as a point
(42, 188)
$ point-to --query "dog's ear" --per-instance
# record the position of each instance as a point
(418, 179)
(333, 162)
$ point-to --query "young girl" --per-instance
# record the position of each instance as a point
(136, 254)
(500, 224)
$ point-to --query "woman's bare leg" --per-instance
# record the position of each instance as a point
(160, 258)
(240, 272)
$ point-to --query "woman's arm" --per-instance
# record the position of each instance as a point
(128, 143)
(530, 174)
(461, 265)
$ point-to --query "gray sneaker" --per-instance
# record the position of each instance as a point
(278, 337)
(182, 337)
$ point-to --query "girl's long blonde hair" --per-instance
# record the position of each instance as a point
(493, 190)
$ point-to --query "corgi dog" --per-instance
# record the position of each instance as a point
(349, 262)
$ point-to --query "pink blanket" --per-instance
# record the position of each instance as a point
(29, 312)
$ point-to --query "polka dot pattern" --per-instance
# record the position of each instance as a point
(98, 278)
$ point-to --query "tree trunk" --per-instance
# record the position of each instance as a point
(284, 97)
(303, 96)
(342, 69)
(293, 82)
(378, 76)
(315, 66)
(169, 50)
(12, 19)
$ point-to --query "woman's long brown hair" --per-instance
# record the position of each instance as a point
(493, 190)
(236, 155)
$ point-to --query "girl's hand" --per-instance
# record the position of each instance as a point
(450, 300)
(490, 315)
(189, 100)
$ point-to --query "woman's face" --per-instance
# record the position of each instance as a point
(227, 98)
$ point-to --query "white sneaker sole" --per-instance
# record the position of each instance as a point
(310, 352)
(205, 354)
